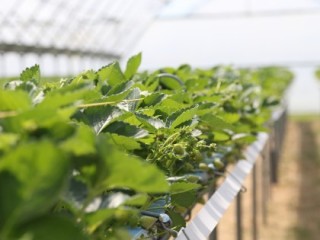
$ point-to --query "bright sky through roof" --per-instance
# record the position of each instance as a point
(241, 32)
(180, 8)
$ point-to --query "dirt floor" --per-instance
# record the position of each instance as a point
(293, 208)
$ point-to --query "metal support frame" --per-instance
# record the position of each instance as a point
(23, 49)
(239, 217)
(204, 223)
(209, 216)
(266, 181)
(94, 29)
(277, 133)
(254, 204)
(214, 233)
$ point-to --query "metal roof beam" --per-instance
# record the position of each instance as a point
(23, 49)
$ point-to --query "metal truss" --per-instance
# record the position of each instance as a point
(93, 28)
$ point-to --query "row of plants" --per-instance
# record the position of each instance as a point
(110, 152)
(317, 73)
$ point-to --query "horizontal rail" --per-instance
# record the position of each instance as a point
(24, 49)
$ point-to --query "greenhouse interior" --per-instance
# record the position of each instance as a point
(160, 119)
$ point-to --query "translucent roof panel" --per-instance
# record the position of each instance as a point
(107, 27)
(205, 8)
(242, 33)
(256, 6)
(206, 32)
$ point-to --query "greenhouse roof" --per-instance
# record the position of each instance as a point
(93, 28)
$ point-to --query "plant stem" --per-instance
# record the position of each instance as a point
(106, 103)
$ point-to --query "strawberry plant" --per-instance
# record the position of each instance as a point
(108, 152)
(317, 73)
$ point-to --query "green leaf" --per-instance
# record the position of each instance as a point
(133, 99)
(152, 84)
(31, 180)
(317, 73)
(81, 143)
(70, 98)
(112, 73)
(260, 119)
(177, 220)
(180, 187)
(125, 129)
(99, 117)
(128, 143)
(95, 219)
(51, 120)
(153, 99)
(170, 81)
(86, 77)
(14, 100)
(137, 200)
(196, 84)
(244, 138)
(30, 87)
(173, 105)
(150, 123)
(120, 88)
(184, 199)
(7, 140)
(230, 117)
(158, 205)
(215, 122)
(215, 99)
(182, 97)
(120, 233)
(50, 228)
(119, 170)
(54, 121)
(31, 74)
(132, 66)
(76, 194)
(181, 116)
(116, 97)
(219, 136)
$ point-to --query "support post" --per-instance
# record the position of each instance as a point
(254, 204)
(214, 233)
(239, 217)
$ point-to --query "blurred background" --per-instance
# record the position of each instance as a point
(67, 37)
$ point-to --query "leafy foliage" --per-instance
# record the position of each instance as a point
(31, 74)
(132, 66)
(317, 73)
(84, 156)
